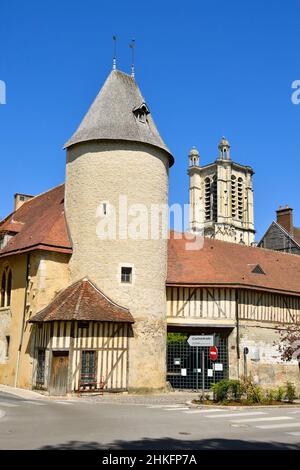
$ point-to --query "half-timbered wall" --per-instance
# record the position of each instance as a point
(190, 302)
(108, 340)
(218, 304)
(267, 307)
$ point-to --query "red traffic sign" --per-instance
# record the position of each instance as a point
(213, 353)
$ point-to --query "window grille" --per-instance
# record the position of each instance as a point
(40, 373)
(88, 367)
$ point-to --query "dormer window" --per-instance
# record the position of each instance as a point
(258, 270)
(5, 238)
(141, 112)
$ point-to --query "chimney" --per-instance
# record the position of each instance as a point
(20, 199)
(285, 218)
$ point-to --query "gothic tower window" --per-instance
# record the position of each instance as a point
(240, 195)
(214, 195)
(233, 197)
(6, 287)
(207, 198)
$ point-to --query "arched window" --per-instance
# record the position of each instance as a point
(240, 192)
(207, 198)
(214, 195)
(6, 287)
(233, 197)
(3, 287)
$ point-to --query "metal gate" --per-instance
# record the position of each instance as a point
(184, 363)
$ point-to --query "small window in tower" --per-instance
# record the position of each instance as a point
(126, 274)
(103, 208)
(7, 346)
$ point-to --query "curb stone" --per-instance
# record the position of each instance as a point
(236, 407)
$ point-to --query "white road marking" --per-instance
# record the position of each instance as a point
(2, 414)
(165, 406)
(233, 414)
(8, 405)
(64, 402)
(296, 433)
(33, 403)
(252, 420)
(203, 411)
(176, 409)
(279, 426)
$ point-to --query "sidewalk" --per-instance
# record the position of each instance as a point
(168, 398)
(22, 393)
(110, 398)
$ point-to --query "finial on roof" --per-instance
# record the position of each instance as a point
(194, 157)
(224, 147)
(132, 46)
(115, 53)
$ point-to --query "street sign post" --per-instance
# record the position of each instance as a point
(213, 353)
(201, 340)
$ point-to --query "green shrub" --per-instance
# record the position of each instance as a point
(227, 390)
(252, 392)
(290, 392)
(280, 392)
(271, 395)
(176, 337)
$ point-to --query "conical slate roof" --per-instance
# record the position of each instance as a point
(119, 112)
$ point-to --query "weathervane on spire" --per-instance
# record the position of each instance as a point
(132, 46)
(115, 53)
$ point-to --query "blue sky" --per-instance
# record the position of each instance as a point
(206, 68)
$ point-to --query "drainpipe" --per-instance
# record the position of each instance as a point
(23, 321)
(237, 303)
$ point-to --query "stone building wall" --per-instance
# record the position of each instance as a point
(48, 274)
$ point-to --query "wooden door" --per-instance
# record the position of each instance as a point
(59, 373)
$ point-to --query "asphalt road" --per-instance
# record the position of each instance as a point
(86, 424)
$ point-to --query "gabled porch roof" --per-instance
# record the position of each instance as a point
(83, 301)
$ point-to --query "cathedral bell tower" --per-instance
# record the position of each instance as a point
(221, 197)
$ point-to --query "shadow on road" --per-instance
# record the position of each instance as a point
(174, 444)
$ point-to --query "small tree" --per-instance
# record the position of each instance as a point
(289, 345)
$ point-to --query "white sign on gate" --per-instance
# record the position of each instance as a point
(201, 340)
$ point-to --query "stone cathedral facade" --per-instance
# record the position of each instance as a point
(81, 312)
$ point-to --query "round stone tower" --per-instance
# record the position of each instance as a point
(116, 179)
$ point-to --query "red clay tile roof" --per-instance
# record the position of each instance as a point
(39, 224)
(220, 263)
(83, 301)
